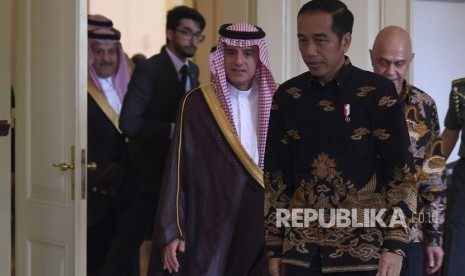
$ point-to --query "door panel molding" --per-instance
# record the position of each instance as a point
(52, 263)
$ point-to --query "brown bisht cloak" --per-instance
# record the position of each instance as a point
(212, 196)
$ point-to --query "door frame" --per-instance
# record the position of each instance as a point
(5, 141)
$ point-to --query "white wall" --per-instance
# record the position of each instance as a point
(439, 46)
(142, 23)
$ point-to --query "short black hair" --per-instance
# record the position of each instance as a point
(175, 15)
(343, 19)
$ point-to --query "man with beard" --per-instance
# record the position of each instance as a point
(150, 107)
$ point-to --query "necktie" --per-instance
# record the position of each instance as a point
(184, 74)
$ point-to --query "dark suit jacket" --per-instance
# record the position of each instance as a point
(107, 148)
(149, 108)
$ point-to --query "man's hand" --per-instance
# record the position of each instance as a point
(170, 251)
(275, 267)
(390, 264)
(433, 259)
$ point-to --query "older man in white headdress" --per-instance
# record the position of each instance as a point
(211, 205)
(108, 71)
(111, 242)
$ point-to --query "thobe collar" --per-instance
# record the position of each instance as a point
(251, 93)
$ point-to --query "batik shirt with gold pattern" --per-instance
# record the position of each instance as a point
(341, 146)
(427, 224)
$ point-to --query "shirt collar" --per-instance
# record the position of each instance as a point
(341, 77)
(106, 82)
(178, 64)
(249, 94)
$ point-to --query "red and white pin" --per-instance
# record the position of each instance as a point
(347, 112)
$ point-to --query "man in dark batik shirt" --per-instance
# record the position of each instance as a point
(337, 140)
(391, 57)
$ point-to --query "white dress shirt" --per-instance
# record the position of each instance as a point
(245, 112)
(110, 94)
(178, 64)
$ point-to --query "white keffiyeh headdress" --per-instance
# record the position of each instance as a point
(244, 35)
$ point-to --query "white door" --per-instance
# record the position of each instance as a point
(51, 98)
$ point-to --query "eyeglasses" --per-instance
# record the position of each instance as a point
(188, 34)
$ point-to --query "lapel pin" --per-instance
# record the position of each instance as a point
(347, 112)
